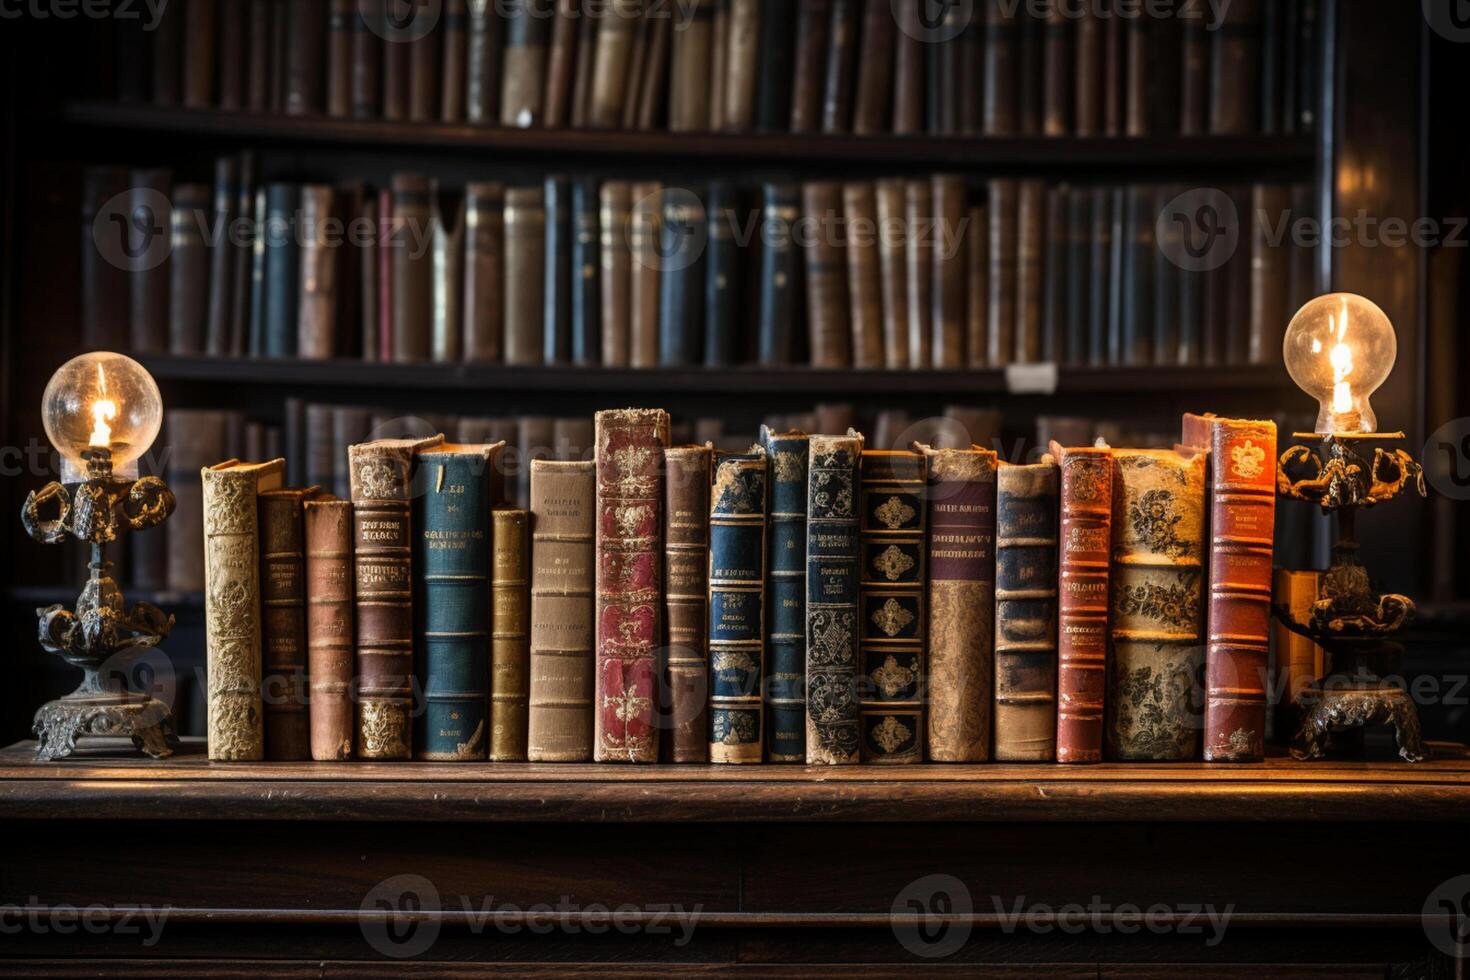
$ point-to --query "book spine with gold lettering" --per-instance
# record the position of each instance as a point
(510, 641)
(832, 599)
(1026, 612)
(1082, 632)
(786, 596)
(686, 601)
(737, 566)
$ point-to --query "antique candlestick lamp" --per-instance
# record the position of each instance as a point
(101, 411)
(1339, 348)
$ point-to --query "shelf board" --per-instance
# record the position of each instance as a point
(800, 151)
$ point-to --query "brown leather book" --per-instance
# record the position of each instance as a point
(232, 606)
(350, 426)
(1082, 632)
(948, 293)
(655, 78)
(719, 43)
(329, 633)
(412, 264)
(1235, 70)
(841, 66)
(395, 69)
(1194, 74)
(485, 34)
(382, 473)
(561, 61)
(365, 72)
(1003, 207)
(1057, 64)
(826, 276)
(614, 204)
(919, 207)
(977, 285)
(305, 34)
(1002, 69)
(1087, 89)
(1030, 270)
(1138, 84)
(1270, 307)
(222, 248)
(525, 273)
(148, 287)
(864, 283)
(689, 80)
(484, 276)
(522, 91)
(808, 78)
(586, 52)
(446, 323)
(1114, 75)
(510, 642)
(740, 68)
(908, 75)
(875, 84)
(317, 324)
(563, 496)
(200, 19)
(686, 601)
(637, 67)
(961, 602)
(234, 35)
(610, 64)
(453, 62)
(341, 17)
(283, 623)
(424, 51)
(257, 56)
(188, 270)
(893, 273)
(643, 284)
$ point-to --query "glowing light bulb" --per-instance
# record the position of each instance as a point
(104, 410)
(1339, 349)
(101, 400)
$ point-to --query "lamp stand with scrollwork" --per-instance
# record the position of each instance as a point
(102, 635)
(1350, 621)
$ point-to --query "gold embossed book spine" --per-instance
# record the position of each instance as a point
(1082, 633)
(236, 726)
(891, 606)
(686, 602)
(786, 595)
(832, 599)
(737, 566)
(1152, 710)
(510, 642)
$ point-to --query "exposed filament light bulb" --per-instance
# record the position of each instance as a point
(104, 410)
(1339, 349)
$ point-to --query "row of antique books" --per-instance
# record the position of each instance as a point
(808, 599)
(997, 67)
(889, 274)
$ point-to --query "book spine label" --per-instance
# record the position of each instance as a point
(1082, 637)
(630, 457)
(236, 727)
(961, 603)
(283, 626)
(686, 601)
(786, 597)
(891, 606)
(1026, 613)
(737, 563)
(510, 645)
(1242, 530)
(329, 635)
(831, 600)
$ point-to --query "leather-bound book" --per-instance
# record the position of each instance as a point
(689, 81)
(525, 275)
(919, 210)
(283, 622)
(424, 51)
(722, 277)
(148, 286)
(875, 68)
(1242, 525)
(1079, 271)
(780, 267)
(682, 229)
(1030, 279)
(563, 496)
(1298, 661)
(643, 284)
(1194, 73)
(168, 43)
(1270, 307)
(1235, 70)
(584, 274)
(242, 254)
(808, 80)
(1058, 84)
(832, 560)
(1082, 633)
(255, 331)
(841, 66)
(891, 605)
(977, 285)
(1002, 70)
(893, 273)
(232, 623)
(740, 68)
(329, 633)
(1137, 281)
(382, 528)
(785, 636)
(1100, 280)
(864, 283)
(1167, 279)
(686, 602)
(1029, 68)
(561, 62)
(1087, 87)
(341, 15)
(1138, 67)
(366, 71)
(1026, 612)
(1056, 250)
(719, 60)
(1114, 74)
(1003, 210)
(960, 601)
(350, 426)
(396, 71)
(557, 296)
(305, 34)
(195, 437)
(948, 295)
(446, 303)
(452, 87)
(482, 61)
(826, 276)
(200, 20)
(257, 56)
(188, 270)
(282, 283)
(775, 63)
(523, 84)
(652, 104)
(630, 491)
(412, 269)
(451, 554)
(484, 272)
(615, 276)
(317, 316)
(582, 68)
(1155, 627)
(737, 567)
(610, 64)
(510, 645)
(908, 74)
(964, 57)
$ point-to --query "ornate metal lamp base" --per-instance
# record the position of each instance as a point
(1356, 708)
(147, 721)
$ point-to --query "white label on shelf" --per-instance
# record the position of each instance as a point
(1031, 379)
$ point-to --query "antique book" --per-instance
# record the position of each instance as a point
(1087, 88)
(484, 274)
(446, 293)
(919, 210)
(305, 32)
(188, 271)
(148, 306)
(737, 565)
(649, 107)
(452, 65)
(610, 64)
(562, 502)
(908, 75)
(283, 622)
(960, 600)
(1136, 326)
(1030, 278)
(510, 644)
(630, 445)
(1026, 612)
(1151, 706)
(557, 297)
(451, 553)
(875, 68)
(785, 637)
(1002, 69)
(719, 59)
(892, 273)
(808, 76)
(686, 601)
(775, 62)
(525, 275)
(1082, 630)
(832, 599)
(1003, 211)
(826, 276)
(1298, 661)
(1078, 265)
(1235, 70)
(342, 16)
(948, 291)
(1058, 61)
(413, 269)
(740, 64)
(722, 276)
(317, 303)
(482, 61)
(561, 60)
(382, 534)
(329, 633)
(779, 290)
(682, 228)
(1242, 523)
(236, 726)
(583, 274)
(977, 285)
(865, 288)
(689, 75)
(615, 203)
(841, 55)
(891, 605)
(522, 91)
(644, 278)
(282, 284)
(366, 72)
(1194, 73)
(221, 256)
(1101, 285)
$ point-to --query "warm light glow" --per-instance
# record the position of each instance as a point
(104, 410)
(1342, 366)
(1339, 348)
(101, 399)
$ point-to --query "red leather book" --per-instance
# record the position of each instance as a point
(630, 458)
(1082, 640)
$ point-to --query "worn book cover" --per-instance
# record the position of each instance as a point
(737, 564)
(1082, 633)
(686, 602)
(832, 599)
(786, 595)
